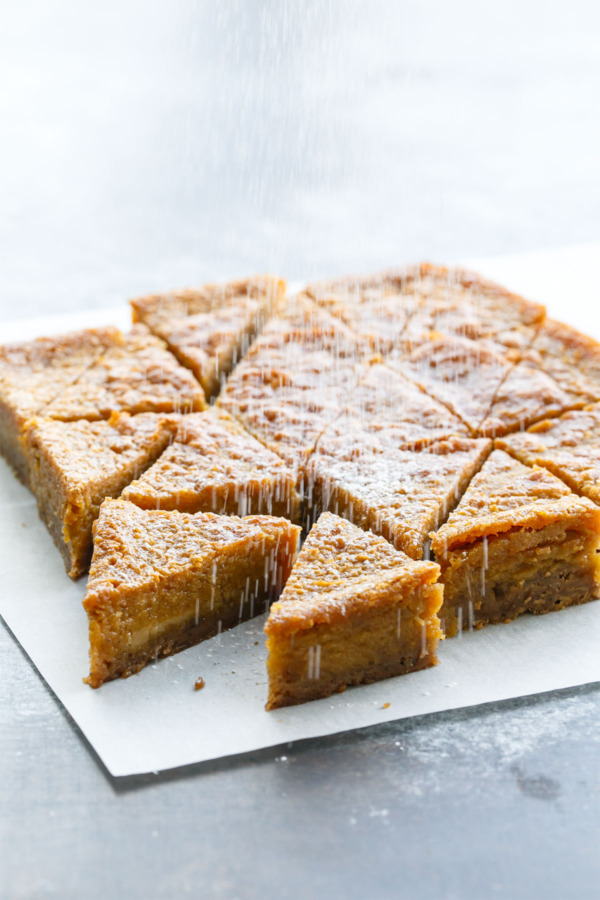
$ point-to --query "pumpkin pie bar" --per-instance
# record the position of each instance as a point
(399, 494)
(294, 380)
(526, 395)
(136, 374)
(375, 306)
(519, 541)
(162, 581)
(457, 302)
(571, 358)
(74, 466)
(214, 465)
(32, 374)
(391, 409)
(353, 611)
(210, 328)
(488, 392)
(569, 447)
(462, 374)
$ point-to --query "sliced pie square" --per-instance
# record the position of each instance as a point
(458, 302)
(161, 581)
(390, 409)
(211, 327)
(519, 541)
(136, 374)
(526, 395)
(462, 374)
(294, 379)
(353, 611)
(214, 465)
(571, 358)
(399, 494)
(569, 447)
(74, 466)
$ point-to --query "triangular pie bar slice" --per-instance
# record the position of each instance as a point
(519, 541)
(294, 379)
(162, 581)
(210, 328)
(391, 410)
(353, 611)
(214, 465)
(570, 357)
(568, 446)
(462, 374)
(399, 494)
(136, 374)
(74, 466)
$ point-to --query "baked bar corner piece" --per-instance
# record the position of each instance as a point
(162, 581)
(214, 465)
(74, 466)
(518, 542)
(210, 328)
(353, 611)
(33, 373)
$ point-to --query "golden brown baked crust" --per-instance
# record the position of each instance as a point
(407, 306)
(161, 581)
(401, 495)
(211, 327)
(214, 465)
(571, 358)
(353, 610)
(391, 410)
(294, 379)
(462, 374)
(519, 541)
(74, 466)
(34, 373)
(526, 395)
(503, 495)
(136, 374)
(569, 447)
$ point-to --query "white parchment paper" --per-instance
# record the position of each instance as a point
(156, 720)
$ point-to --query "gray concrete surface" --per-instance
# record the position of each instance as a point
(148, 144)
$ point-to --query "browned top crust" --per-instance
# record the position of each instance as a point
(136, 374)
(159, 310)
(292, 382)
(210, 328)
(386, 405)
(33, 373)
(136, 547)
(568, 446)
(506, 495)
(418, 301)
(212, 453)
(343, 571)
(401, 492)
(86, 453)
(462, 374)
(570, 357)
(526, 395)
(375, 306)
